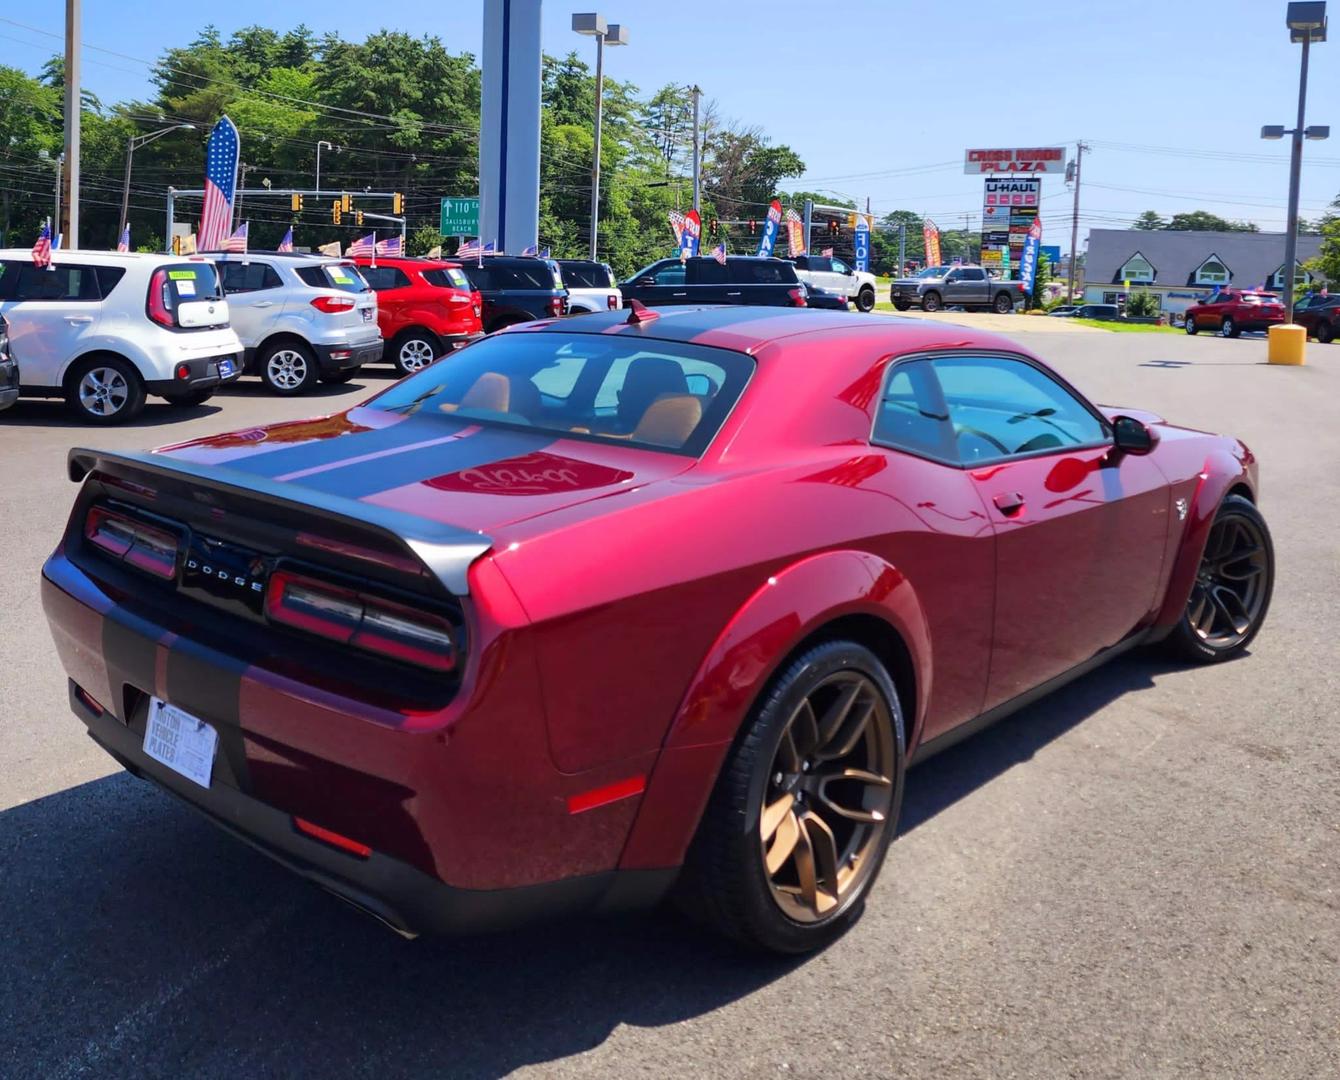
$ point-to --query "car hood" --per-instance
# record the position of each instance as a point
(442, 468)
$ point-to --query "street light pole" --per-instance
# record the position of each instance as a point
(697, 152)
(135, 142)
(593, 24)
(1295, 178)
(318, 164)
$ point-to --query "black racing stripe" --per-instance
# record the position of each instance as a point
(208, 684)
(318, 452)
(689, 324)
(129, 648)
(372, 477)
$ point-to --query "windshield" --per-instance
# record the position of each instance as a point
(933, 272)
(659, 395)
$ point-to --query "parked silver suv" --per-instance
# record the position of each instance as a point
(300, 317)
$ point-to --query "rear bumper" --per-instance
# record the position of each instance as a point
(204, 375)
(392, 891)
(333, 358)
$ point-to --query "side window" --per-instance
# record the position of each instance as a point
(1000, 407)
(248, 277)
(670, 275)
(382, 278)
(57, 283)
(708, 272)
(972, 273)
(911, 413)
(842, 268)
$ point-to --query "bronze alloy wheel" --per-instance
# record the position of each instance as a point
(828, 797)
(1233, 583)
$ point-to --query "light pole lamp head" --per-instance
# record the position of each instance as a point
(1317, 131)
(590, 22)
(1272, 131)
(617, 34)
(1306, 20)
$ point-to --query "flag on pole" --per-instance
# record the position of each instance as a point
(364, 245)
(123, 244)
(827, 253)
(188, 244)
(237, 243)
(55, 244)
(544, 253)
(533, 249)
(42, 249)
(286, 244)
(719, 253)
(468, 250)
(333, 248)
(216, 216)
(434, 252)
(677, 219)
(390, 246)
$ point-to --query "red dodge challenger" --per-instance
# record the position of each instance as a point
(607, 608)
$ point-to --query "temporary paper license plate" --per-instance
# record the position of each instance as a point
(368, 314)
(182, 742)
(226, 368)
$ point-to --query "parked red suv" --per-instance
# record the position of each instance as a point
(1231, 311)
(425, 307)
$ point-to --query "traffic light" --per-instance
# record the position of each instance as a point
(346, 203)
(716, 226)
(753, 226)
(832, 227)
(397, 203)
(335, 212)
(295, 201)
(358, 218)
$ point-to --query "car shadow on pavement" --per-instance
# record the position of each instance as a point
(254, 388)
(55, 414)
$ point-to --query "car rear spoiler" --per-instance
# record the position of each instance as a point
(445, 550)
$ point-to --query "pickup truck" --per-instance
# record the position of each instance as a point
(938, 287)
(827, 274)
(590, 286)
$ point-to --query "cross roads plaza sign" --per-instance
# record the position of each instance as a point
(1023, 159)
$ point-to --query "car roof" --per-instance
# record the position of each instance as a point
(747, 329)
(83, 255)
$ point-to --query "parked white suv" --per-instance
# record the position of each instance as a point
(590, 286)
(301, 317)
(103, 329)
(833, 275)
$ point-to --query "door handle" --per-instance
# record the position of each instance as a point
(264, 303)
(80, 319)
(1009, 503)
(679, 294)
(736, 293)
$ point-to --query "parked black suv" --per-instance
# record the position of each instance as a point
(744, 279)
(516, 289)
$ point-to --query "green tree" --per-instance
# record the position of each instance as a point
(1327, 262)
(1142, 304)
(1149, 220)
(1204, 221)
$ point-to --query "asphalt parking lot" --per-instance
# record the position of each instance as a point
(1139, 876)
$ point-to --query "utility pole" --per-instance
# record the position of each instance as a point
(967, 243)
(55, 222)
(902, 249)
(697, 151)
(242, 169)
(1080, 147)
(809, 220)
(73, 24)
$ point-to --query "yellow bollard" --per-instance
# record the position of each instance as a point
(1287, 343)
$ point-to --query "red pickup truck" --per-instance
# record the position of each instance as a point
(1231, 311)
(425, 308)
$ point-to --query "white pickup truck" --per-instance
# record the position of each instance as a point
(590, 286)
(825, 272)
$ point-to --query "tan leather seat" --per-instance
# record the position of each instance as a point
(647, 379)
(669, 420)
(491, 392)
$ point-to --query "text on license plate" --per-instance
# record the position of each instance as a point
(182, 742)
(226, 368)
(368, 314)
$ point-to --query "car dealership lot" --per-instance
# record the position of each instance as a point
(1136, 876)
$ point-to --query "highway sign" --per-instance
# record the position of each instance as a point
(460, 217)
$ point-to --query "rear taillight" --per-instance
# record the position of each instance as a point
(797, 297)
(142, 546)
(333, 305)
(613, 302)
(555, 305)
(158, 308)
(365, 622)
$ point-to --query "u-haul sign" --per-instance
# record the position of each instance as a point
(1023, 159)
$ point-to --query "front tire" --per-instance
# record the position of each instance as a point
(1191, 326)
(865, 299)
(931, 302)
(1228, 328)
(901, 305)
(105, 390)
(1233, 586)
(805, 807)
(288, 368)
(415, 350)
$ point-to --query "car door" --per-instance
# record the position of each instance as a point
(709, 282)
(394, 299)
(976, 285)
(844, 278)
(51, 312)
(660, 283)
(952, 288)
(254, 300)
(1080, 528)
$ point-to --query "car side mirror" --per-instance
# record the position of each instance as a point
(1133, 436)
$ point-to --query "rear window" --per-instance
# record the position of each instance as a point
(587, 275)
(450, 278)
(382, 278)
(657, 395)
(525, 276)
(192, 281)
(334, 276)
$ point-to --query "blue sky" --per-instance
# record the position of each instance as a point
(1170, 96)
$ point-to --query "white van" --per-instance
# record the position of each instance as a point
(103, 329)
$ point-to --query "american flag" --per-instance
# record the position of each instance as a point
(216, 218)
(389, 247)
(364, 245)
(544, 253)
(42, 249)
(677, 219)
(719, 253)
(123, 244)
(827, 253)
(237, 243)
(286, 244)
(533, 249)
(469, 250)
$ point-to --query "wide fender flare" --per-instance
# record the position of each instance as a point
(1221, 472)
(790, 606)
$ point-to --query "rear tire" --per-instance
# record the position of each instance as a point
(1234, 583)
(865, 299)
(931, 302)
(288, 368)
(1325, 333)
(800, 882)
(414, 350)
(1003, 304)
(105, 390)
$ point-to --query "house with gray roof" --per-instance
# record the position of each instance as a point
(1181, 268)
